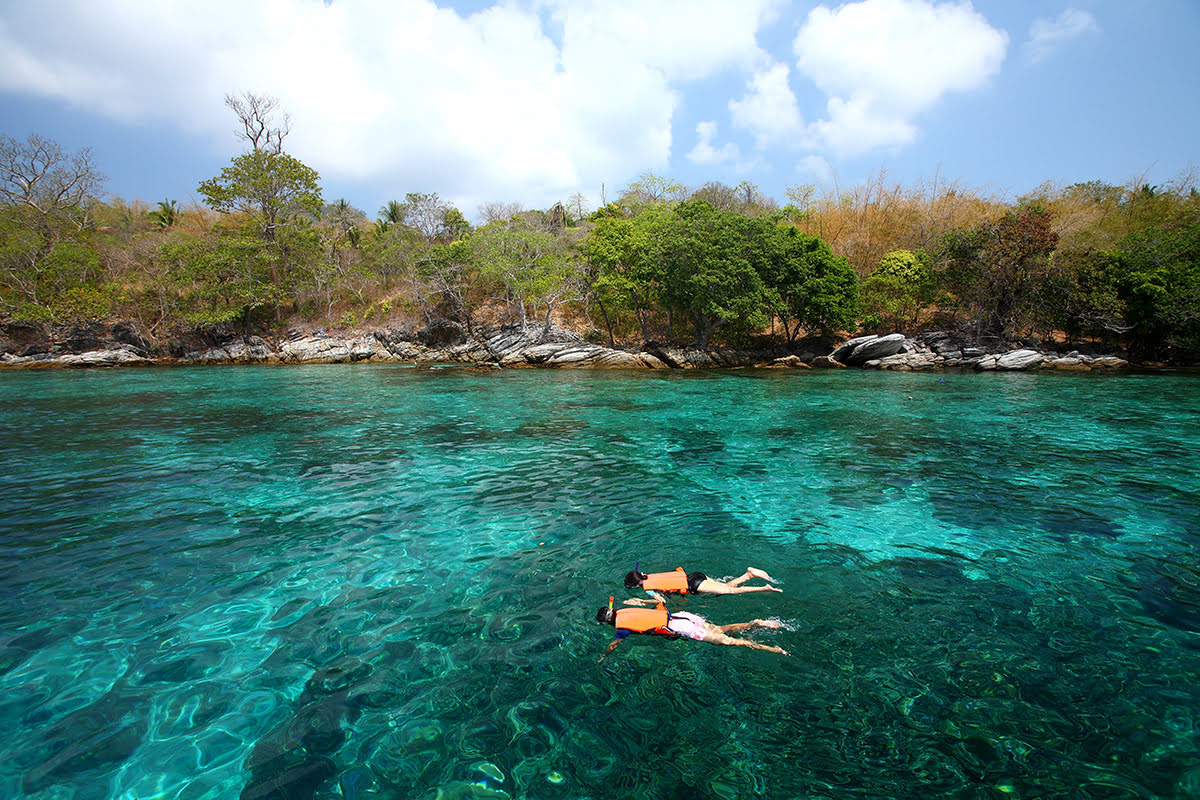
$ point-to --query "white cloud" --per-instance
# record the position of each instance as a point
(1046, 36)
(534, 99)
(705, 153)
(818, 168)
(883, 62)
(769, 109)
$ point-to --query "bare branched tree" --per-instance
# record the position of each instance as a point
(497, 211)
(39, 174)
(256, 112)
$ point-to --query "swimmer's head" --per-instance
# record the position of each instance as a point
(606, 616)
(633, 579)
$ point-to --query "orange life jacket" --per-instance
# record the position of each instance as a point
(674, 582)
(644, 620)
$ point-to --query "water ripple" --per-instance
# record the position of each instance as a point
(990, 589)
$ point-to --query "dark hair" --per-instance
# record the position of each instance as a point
(606, 616)
(633, 579)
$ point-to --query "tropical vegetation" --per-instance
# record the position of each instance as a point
(712, 265)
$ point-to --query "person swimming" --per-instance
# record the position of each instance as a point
(658, 621)
(658, 584)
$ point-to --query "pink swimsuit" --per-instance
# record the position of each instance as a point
(687, 625)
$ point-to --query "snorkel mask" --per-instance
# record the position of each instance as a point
(633, 580)
(607, 616)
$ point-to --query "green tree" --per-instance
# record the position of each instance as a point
(895, 293)
(279, 196)
(1082, 293)
(166, 215)
(811, 288)
(650, 189)
(711, 265)
(623, 274)
(50, 268)
(272, 189)
(225, 281)
(532, 266)
(452, 274)
(1160, 285)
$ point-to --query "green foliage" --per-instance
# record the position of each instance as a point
(452, 273)
(718, 269)
(271, 188)
(622, 274)
(225, 281)
(50, 271)
(1081, 294)
(166, 215)
(710, 269)
(813, 288)
(894, 294)
(1160, 285)
(532, 265)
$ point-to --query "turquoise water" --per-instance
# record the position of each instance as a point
(378, 581)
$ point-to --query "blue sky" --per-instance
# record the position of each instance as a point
(534, 100)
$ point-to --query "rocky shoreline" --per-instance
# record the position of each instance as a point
(126, 344)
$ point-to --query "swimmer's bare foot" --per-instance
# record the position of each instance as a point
(754, 572)
(768, 623)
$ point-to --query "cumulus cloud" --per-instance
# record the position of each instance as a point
(768, 109)
(705, 153)
(537, 99)
(817, 168)
(883, 62)
(1047, 36)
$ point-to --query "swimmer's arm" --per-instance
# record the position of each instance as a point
(611, 646)
(638, 601)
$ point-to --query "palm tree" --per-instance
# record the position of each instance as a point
(166, 215)
(392, 213)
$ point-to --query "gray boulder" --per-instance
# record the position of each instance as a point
(1019, 360)
(1012, 361)
(333, 350)
(875, 348)
(841, 353)
(907, 362)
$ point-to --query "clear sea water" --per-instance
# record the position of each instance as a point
(364, 581)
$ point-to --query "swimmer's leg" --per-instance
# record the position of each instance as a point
(742, 626)
(719, 637)
(751, 572)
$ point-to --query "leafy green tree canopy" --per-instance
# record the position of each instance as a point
(711, 269)
(896, 291)
(271, 188)
(813, 288)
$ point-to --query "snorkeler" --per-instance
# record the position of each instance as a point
(657, 584)
(678, 624)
